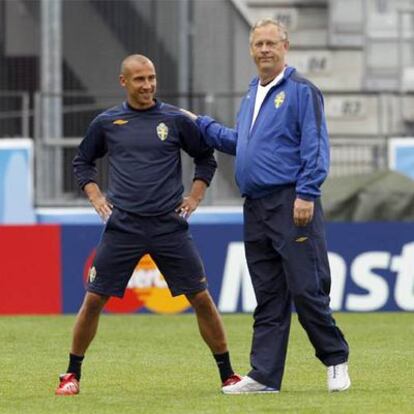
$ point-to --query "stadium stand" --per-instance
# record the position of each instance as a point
(359, 52)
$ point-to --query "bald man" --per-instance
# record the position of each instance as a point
(144, 210)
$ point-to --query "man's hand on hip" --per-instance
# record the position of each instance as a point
(302, 212)
(187, 207)
(191, 202)
(102, 207)
(98, 201)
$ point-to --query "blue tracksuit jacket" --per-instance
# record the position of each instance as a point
(143, 148)
(288, 144)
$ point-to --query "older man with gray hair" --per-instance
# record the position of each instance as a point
(282, 159)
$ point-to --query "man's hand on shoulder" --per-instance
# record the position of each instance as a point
(302, 212)
(190, 114)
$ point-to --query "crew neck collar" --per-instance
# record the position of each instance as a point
(156, 105)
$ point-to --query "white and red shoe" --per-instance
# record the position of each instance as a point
(233, 379)
(248, 385)
(68, 385)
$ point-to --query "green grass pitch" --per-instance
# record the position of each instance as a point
(156, 364)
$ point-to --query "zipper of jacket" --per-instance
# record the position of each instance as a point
(269, 92)
(244, 165)
(251, 131)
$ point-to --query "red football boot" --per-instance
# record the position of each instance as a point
(68, 385)
(233, 379)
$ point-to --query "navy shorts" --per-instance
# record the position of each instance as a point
(128, 237)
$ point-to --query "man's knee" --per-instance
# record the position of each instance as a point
(302, 297)
(201, 301)
(309, 302)
(94, 303)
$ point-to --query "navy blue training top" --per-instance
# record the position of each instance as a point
(143, 149)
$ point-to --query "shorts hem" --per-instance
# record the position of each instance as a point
(179, 292)
(102, 293)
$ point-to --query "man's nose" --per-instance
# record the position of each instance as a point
(147, 84)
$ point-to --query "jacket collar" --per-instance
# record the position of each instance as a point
(288, 72)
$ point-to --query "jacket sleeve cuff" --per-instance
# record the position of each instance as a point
(306, 197)
(204, 179)
(84, 183)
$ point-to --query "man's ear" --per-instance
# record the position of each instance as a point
(122, 80)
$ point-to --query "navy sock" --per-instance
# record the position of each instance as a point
(75, 365)
(224, 365)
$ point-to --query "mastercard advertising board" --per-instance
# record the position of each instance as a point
(146, 289)
(372, 269)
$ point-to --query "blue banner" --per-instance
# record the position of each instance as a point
(372, 268)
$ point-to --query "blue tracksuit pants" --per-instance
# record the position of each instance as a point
(288, 264)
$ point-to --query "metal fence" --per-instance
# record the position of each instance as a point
(354, 150)
(55, 184)
(358, 155)
(15, 114)
(350, 153)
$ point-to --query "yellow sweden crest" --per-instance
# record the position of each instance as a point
(280, 98)
(162, 131)
(92, 274)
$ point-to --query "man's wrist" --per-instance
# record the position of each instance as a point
(306, 197)
(92, 191)
(198, 198)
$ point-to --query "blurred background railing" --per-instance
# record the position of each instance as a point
(15, 114)
(59, 64)
(363, 149)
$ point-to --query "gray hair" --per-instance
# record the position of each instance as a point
(265, 22)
